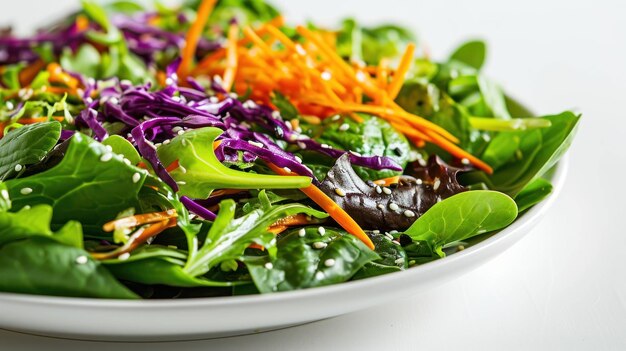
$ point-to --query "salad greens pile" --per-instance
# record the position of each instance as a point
(210, 149)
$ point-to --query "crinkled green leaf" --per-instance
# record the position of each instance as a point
(25, 146)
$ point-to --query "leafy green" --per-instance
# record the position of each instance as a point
(5, 199)
(310, 260)
(372, 137)
(462, 216)
(42, 266)
(533, 193)
(520, 157)
(471, 53)
(90, 184)
(26, 145)
(200, 171)
(123, 147)
(229, 236)
(393, 258)
(86, 60)
(35, 221)
(371, 44)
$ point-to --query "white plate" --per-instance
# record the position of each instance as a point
(152, 320)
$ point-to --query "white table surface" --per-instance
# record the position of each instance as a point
(564, 285)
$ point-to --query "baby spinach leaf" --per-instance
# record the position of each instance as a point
(393, 258)
(42, 266)
(463, 216)
(200, 171)
(372, 137)
(123, 147)
(471, 53)
(229, 236)
(26, 145)
(310, 260)
(5, 199)
(533, 193)
(35, 221)
(494, 98)
(90, 184)
(86, 60)
(520, 157)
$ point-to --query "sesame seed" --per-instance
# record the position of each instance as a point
(326, 75)
(255, 143)
(181, 132)
(319, 275)
(276, 115)
(301, 233)
(301, 145)
(395, 242)
(158, 145)
(182, 169)
(81, 259)
(233, 95)
(393, 232)
(109, 147)
(379, 189)
(26, 208)
(136, 177)
(124, 256)
(376, 231)
(335, 118)
(399, 261)
(326, 146)
(18, 167)
(381, 206)
(422, 162)
(355, 153)
(329, 262)
(269, 265)
(113, 100)
(249, 104)
(166, 141)
(176, 129)
(340, 192)
(465, 161)
(393, 207)
(460, 247)
(344, 127)
(106, 157)
(184, 142)
(298, 159)
(387, 191)
(169, 81)
(300, 49)
(5, 194)
(409, 213)
(321, 230)
(319, 245)
(418, 181)
(10, 105)
(173, 247)
(389, 236)
(287, 169)
(436, 184)
(126, 161)
(26, 191)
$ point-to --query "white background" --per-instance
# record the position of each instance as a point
(561, 287)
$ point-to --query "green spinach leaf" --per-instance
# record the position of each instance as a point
(393, 258)
(35, 221)
(533, 194)
(471, 53)
(25, 146)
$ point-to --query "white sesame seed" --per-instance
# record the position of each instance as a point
(422, 162)
(172, 247)
(10, 105)
(379, 189)
(113, 100)
(326, 146)
(276, 115)
(418, 181)
(214, 100)
(465, 161)
(301, 145)
(176, 129)
(124, 256)
(409, 213)
(399, 261)
(249, 104)
(301, 233)
(158, 145)
(381, 206)
(393, 207)
(395, 242)
(326, 75)
(389, 236)
(233, 95)
(300, 50)
(255, 143)
(166, 141)
(319, 275)
(182, 169)
(181, 132)
(298, 159)
(340, 192)
(344, 127)
(436, 184)
(287, 169)
(269, 265)
(460, 247)
(18, 167)
(5, 194)
(109, 147)
(81, 259)
(321, 230)
(26, 208)
(319, 245)
(387, 191)
(181, 182)
(376, 231)
(184, 142)
(355, 153)
(26, 191)
(329, 262)
(136, 177)
(393, 232)
(106, 157)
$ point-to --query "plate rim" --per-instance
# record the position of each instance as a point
(558, 180)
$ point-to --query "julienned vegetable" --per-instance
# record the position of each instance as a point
(210, 149)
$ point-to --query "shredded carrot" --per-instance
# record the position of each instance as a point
(29, 73)
(387, 181)
(139, 237)
(403, 68)
(231, 57)
(58, 76)
(174, 165)
(337, 213)
(140, 219)
(193, 36)
(82, 23)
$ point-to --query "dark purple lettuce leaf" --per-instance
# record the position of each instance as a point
(395, 207)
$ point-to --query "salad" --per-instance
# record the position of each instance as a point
(214, 149)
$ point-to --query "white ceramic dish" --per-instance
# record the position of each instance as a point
(200, 318)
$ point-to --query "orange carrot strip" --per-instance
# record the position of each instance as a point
(458, 152)
(337, 213)
(387, 181)
(193, 36)
(403, 68)
(140, 219)
(29, 73)
(231, 57)
(139, 237)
